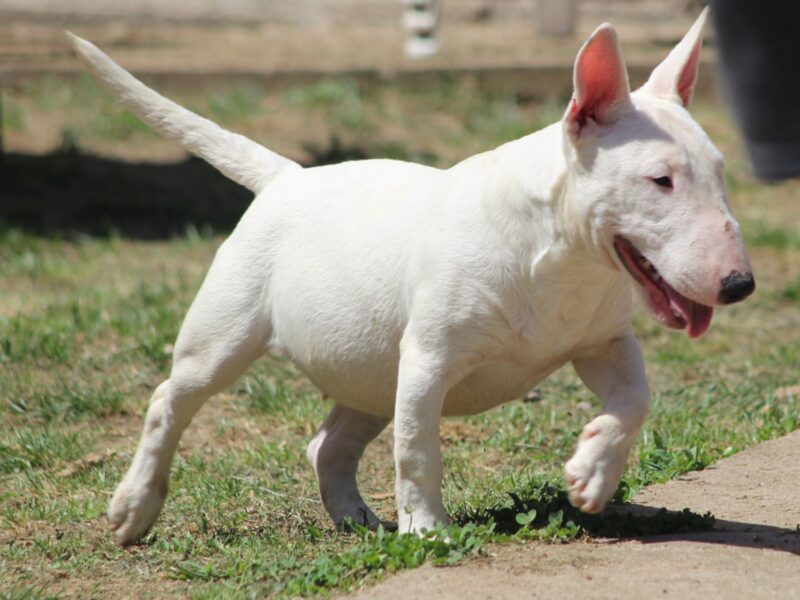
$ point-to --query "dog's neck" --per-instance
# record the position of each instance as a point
(527, 199)
(523, 190)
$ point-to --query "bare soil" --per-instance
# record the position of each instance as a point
(752, 551)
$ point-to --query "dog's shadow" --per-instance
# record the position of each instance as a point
(68, 193)
(646, 524)
(729, 533)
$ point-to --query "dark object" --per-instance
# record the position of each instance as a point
(736, 286)
(69, 193)
(759, 54)
(2, 142)
(623, 521)
(533, 396)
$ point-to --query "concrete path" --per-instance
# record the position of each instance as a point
(752, 552)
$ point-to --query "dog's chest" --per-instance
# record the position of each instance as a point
(494, 384)
(510, 377)
(563, 329)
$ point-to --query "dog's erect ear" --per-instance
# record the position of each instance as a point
(674, 78)
(601, 91)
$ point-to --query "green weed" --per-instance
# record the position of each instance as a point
(377, 553)
(538, 509)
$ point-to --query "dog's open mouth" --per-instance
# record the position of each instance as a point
(670, 307)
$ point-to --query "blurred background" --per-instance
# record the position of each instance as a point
(317, 80)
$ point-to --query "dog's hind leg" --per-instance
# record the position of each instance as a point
(226, 328)
(334, 453)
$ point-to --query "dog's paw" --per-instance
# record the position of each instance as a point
(418, 522)
(134, 508)
(358, 514)
(594, 471)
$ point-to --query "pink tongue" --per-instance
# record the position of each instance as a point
(701, 320)
(697, 316)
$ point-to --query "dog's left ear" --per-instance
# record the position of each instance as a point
(675, 77)
(601, 87)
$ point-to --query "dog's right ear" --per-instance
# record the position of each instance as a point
(601, 90)
(675, 77)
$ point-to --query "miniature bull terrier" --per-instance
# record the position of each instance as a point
(408, 292)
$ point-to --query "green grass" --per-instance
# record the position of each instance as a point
(765, 235)
(791, 291)
(243, 515)
(119, 124)
(53, 93)
(437, 124)
(326, 92)
(86, 332)
(67, 400)
(373, 552)
(26, 593)
(235, 103)
(13, 115)
(30, 448)
(342, 102)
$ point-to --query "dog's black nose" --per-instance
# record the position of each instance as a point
(736, 286)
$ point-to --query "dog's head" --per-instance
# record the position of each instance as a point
(646, 183)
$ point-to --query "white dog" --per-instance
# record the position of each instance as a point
(408, 292)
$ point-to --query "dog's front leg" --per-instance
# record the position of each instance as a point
(616, 375)
(421, 388)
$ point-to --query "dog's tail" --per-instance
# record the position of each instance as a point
(235, 156)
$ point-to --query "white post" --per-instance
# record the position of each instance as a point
(421, 20)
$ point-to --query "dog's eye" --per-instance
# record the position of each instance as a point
(663, 181)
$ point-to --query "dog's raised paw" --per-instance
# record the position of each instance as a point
(133, 510)
(592, 474)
